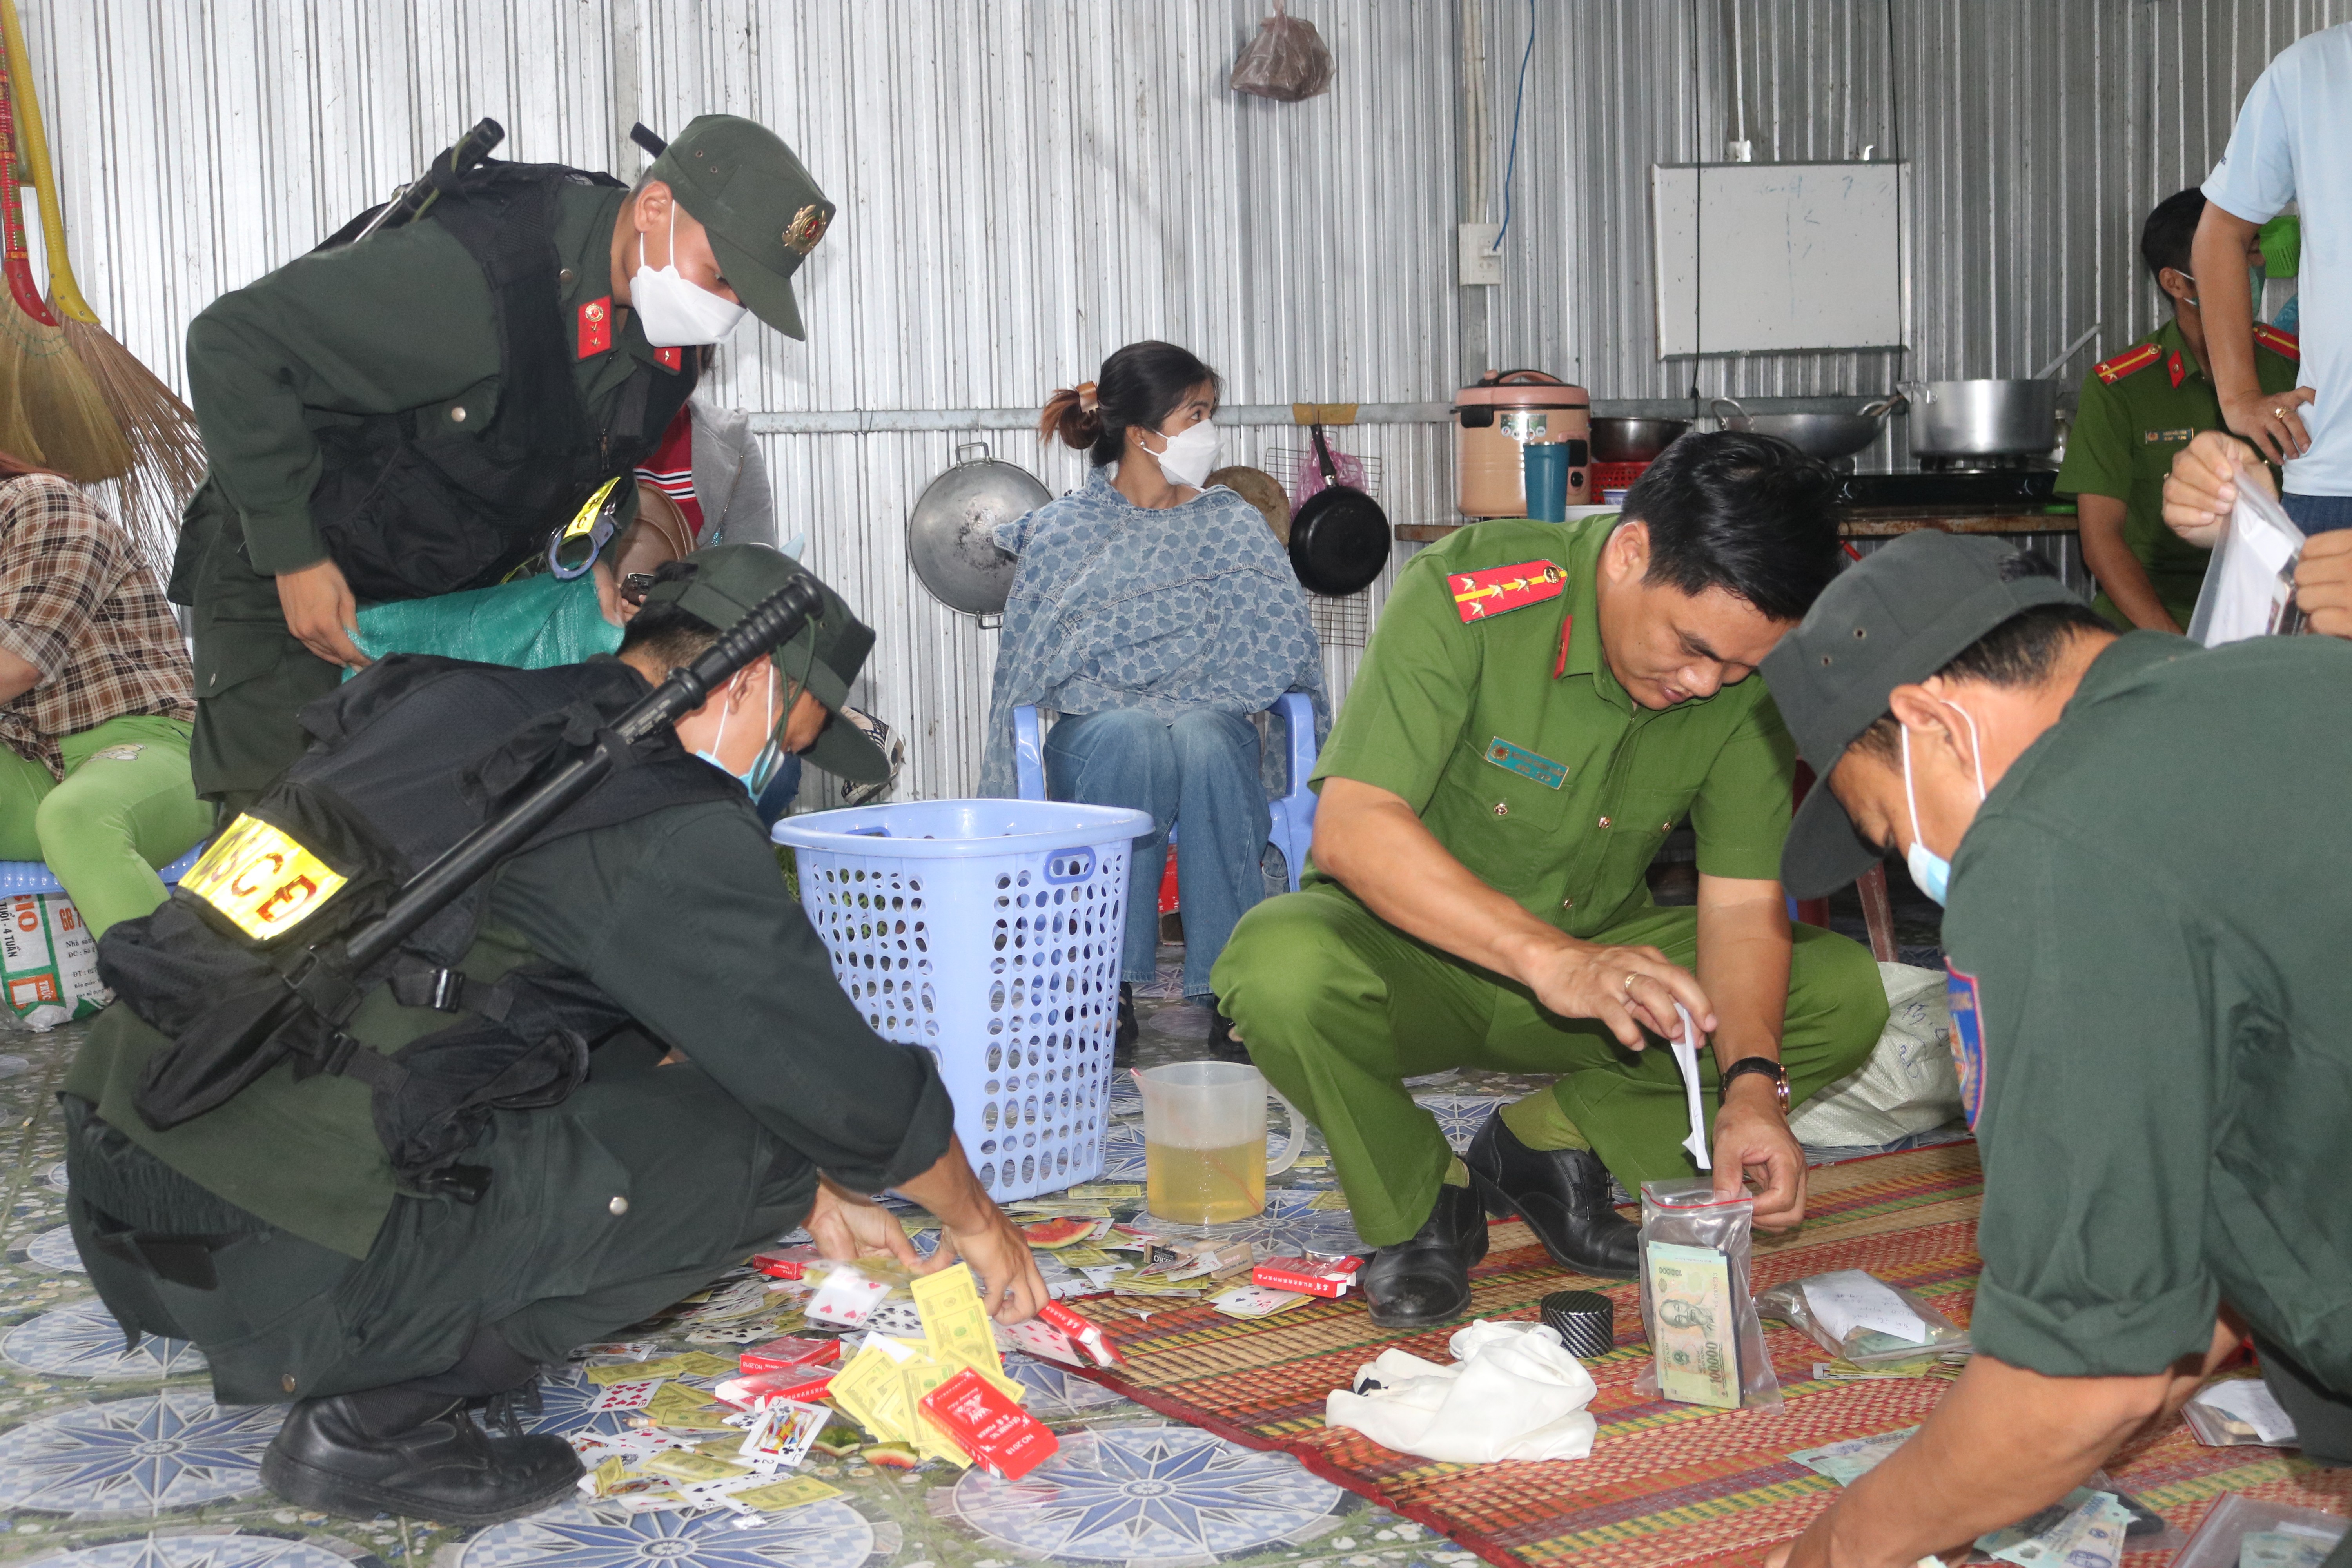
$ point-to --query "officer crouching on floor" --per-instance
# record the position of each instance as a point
(2147, 1006)
(415, 412)
(474, 1192)
(1523, 735)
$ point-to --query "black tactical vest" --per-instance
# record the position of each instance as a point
(411, 755)
(411, 504)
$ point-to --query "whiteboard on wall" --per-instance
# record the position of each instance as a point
(1777, 258)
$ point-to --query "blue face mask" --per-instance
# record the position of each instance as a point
(764, 766)
(1931, 871)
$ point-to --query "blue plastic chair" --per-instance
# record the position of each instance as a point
(34, 877)
(1293, 826)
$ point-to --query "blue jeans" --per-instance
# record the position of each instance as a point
(2319, 514)
(1201, 769)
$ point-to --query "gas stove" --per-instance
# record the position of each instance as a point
(1988, 488)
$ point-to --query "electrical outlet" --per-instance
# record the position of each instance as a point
(1481, 263)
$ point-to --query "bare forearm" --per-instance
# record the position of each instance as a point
(2117, 568)
(1743, 963)
(1372, 842)
(949, 1190)
(2004, 1442)
(17, 676)
(2218, 258)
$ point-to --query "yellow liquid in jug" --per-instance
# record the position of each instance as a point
(1205, 1186)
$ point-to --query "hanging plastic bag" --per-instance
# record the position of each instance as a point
(1852, 1314)
(1288, 60)
(1707, 1341)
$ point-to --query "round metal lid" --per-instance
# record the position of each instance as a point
(947, 534)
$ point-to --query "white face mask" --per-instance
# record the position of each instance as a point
(764, 766)
(1930, 872)
(1189, 454)
(673, 312)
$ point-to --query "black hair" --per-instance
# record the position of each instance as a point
(673, 635)
(1142, 385)
(1749, 514)
(2020, 651)
(2170, 230)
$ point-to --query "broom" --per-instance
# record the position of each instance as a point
(157, 457)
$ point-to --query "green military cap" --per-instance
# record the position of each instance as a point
(763, 211)
(724, 582)
(1895, 616)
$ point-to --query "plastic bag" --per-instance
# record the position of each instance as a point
(2291, 1537)
(1852, 1314)
(1288, 60)
(2248, 589)
(1908, 1085)
(1512, 1394)
(49, 962)
(533, 622)
(1706, 1338)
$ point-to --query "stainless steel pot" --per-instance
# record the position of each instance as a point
(1981, 418)
(1828, 436)
(1618, 440)
(947, 534)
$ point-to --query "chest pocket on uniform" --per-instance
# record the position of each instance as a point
(466, 414)
(1504, 823)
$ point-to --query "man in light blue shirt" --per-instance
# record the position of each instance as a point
(2288, 146)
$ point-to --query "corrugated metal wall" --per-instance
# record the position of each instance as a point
(1027, 184)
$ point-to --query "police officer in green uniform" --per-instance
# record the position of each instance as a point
(2138, 409)
(2147, 1006)
(414, 414)
(733, 1090)
(1538, 708)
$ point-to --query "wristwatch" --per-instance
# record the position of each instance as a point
(1764, 1064)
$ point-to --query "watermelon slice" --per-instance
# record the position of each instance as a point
(1046, 1235)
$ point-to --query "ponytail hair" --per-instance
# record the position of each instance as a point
(1142, 385)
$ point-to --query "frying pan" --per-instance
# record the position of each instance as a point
(1339, 539)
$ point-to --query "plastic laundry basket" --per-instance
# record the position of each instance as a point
(988, 931)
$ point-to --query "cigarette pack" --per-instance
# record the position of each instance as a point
(790, 1351)
(1308, 1275)
(787, 1263)
(1081, 1331)
(983, 1423)
(758, 1390)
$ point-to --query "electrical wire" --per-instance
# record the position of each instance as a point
(1512, 162)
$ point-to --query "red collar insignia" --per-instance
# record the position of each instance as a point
(595, 327)
(668, 359)
(2177, 368)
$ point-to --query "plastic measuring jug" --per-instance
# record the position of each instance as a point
(1204, 1141)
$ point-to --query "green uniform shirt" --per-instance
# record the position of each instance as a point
(2150, 999)
(398, 323)
(683, 919)
(2124, 434)
(1556, 789)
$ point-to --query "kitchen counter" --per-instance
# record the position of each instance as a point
(1860, 523)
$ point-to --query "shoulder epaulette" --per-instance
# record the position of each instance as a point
(2278, 343)
(2139, 357)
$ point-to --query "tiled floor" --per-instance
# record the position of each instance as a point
(116, 1460)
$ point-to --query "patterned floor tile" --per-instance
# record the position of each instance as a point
(136, 1455)
(829, 1534)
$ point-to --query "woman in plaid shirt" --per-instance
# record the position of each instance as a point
(96, 703)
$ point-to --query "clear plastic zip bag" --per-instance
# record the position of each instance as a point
(1706, 1338)
(1855, 1315)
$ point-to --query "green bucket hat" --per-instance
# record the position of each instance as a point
(764, 213)
(724, 582)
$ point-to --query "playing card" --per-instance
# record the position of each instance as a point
(627, 1395)
(1257, 1301)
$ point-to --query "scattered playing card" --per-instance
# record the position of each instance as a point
(1257, 1301)
(627, 1395)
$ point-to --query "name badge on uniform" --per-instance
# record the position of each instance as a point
(265, 882)
(2159, 437)
(1498, 589)
(1526, 764)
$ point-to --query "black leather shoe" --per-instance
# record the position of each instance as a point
(1562, 1194)
(1122, 1043)
(419, 1455)
(1426, 1279)
(1221, 1045)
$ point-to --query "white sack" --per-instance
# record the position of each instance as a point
(1909, 1085)
(1514, 1393)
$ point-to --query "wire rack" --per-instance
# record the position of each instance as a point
(1338, 622)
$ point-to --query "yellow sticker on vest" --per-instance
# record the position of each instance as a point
(264, 881)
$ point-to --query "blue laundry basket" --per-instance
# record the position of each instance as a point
(987, 932)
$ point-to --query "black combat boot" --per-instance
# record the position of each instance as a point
(1122, 1044)
(415, 1454)
(1222, 1043)
(1425, 1280)
(1561, 1193)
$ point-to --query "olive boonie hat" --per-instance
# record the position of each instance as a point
(763, 211)
(723, 584)
(1897, 616)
